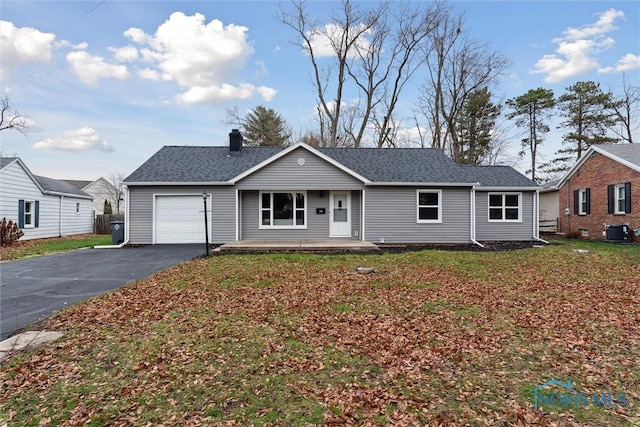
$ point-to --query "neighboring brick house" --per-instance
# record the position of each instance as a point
(602, 188)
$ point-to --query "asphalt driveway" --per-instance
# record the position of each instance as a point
(33, 289)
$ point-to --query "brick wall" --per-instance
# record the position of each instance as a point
(597, 173)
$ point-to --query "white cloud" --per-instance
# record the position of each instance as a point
(92, 68)
(82, 139)
(628, 62)
(323, 39)
(149, 74)
(576, 51)
(124, 54)
(224, 92)
(22, 45)
(204, 58)
(603, 25)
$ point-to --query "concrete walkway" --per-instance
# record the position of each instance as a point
(307, 245)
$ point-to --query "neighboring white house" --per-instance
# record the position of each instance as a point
(100, 190)
(42, 207)
(549, 206)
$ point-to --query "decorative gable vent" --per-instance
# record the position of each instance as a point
(235, 141)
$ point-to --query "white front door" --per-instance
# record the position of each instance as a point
(340, 214)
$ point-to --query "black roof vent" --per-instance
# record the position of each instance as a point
(235, 141)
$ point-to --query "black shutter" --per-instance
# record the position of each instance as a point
(627, 197)
(36, 215)
(588, 196)
(20, 213)
(576, 202)
(610, 199)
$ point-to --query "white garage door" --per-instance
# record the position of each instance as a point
(180, 219)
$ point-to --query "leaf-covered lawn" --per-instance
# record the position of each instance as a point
(433, 338)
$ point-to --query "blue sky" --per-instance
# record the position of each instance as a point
(107, 84)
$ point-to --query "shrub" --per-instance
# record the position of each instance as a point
(9, 232)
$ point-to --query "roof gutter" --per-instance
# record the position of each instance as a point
(159, 184)
(508, 188)
(422, 184)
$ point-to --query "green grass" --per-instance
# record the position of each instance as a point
(455, 338)
(40, 247)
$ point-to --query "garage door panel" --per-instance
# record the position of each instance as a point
(179, 219)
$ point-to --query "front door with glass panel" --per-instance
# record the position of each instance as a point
(340, 218)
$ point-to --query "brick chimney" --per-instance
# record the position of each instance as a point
(235, 141)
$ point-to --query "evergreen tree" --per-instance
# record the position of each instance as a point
(532, 111)
(476, 123)
(265, 127)
(107, 210)
(586, 109)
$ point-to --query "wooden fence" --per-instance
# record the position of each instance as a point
(102, 222)
(549, 225)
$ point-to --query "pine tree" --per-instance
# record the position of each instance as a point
(265, 127)
(107, 208)
(586, 109)
(476, 124)
(532, 111)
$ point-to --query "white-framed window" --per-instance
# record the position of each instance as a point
(582, 201)
(620, 200)
(29, 214)
(429, 206)
(505, 207)
(283, 209)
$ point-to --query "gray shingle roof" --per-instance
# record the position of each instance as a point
(6, 161)
(628, 152)
(199, 164)
(58, 186)
(188, 164)
(79, 184)
(498, 176)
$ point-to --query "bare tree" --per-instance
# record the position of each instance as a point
(115, 191)
(457, 67)
(12, 119)
(373, 54)
(626, 109)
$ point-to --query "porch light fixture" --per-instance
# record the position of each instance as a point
(206, 227)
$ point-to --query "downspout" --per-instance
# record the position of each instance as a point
(60, 217)
(472, 216)
(536, 218)
(237, 214)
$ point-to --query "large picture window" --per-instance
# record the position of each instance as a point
(429, 206)
(283, 210)
(504, 207)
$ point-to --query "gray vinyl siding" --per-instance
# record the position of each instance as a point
(496, 231)
(286, 174)
(140, 218)
(391, 214)
(317, 224)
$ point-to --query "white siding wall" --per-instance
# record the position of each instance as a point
(75, 222)
(16, 185)
(101, 190)
(549, 206)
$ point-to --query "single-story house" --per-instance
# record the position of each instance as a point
(42, 207)
(300, 192)
(100, 190)
(600, 190)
